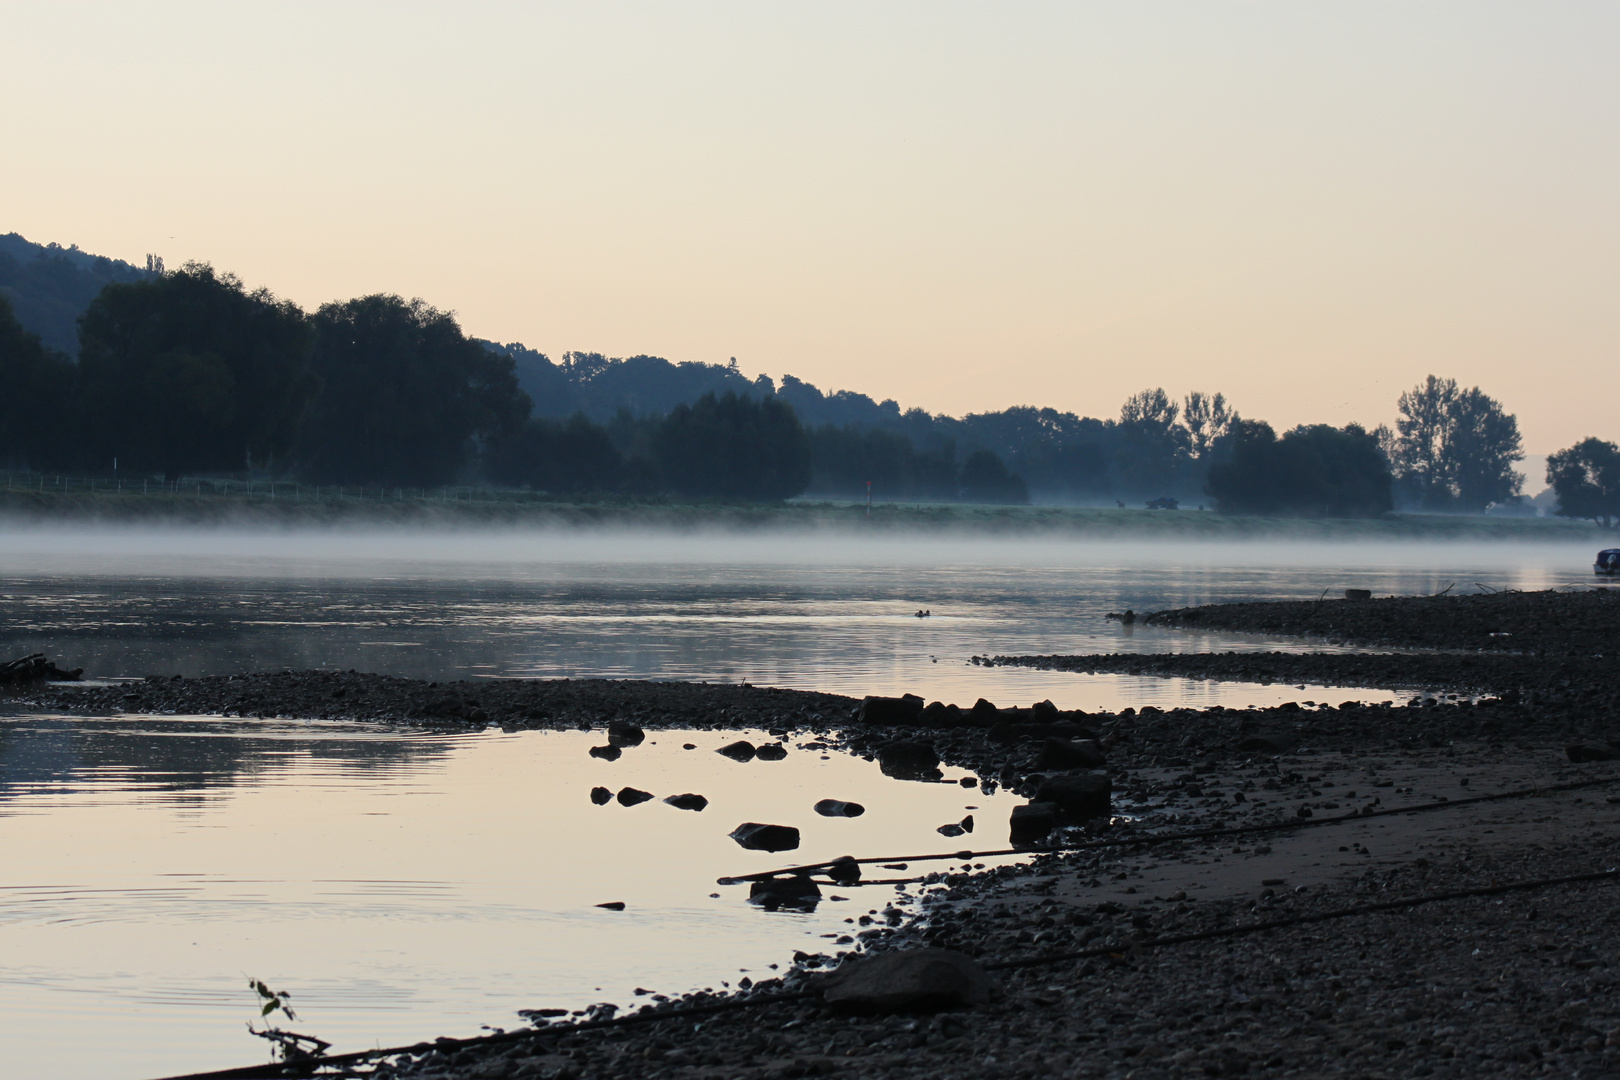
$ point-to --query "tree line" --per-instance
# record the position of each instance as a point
(190, 372)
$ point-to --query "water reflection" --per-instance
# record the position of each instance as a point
(399, 883)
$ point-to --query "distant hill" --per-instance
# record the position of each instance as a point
(599, 386)
(1065, 458)
(49, 286)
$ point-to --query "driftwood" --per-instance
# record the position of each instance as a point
(34, 668)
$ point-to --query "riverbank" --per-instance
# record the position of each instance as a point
(292, 506)
(1523, 983)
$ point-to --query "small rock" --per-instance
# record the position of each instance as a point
(771, 752)
(759, 837)
(844, 870)
(839, 808)
(613, 905)
(601, 795)
(632, 796)
(908, 980)
(688, 801)
(1580, 754)
(1045, 712)
(950, 830)
(607, 753)
(741, 750)
(621, 733)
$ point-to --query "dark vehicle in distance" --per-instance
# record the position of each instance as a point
(1608, 562)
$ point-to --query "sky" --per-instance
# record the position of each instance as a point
(1306, 206)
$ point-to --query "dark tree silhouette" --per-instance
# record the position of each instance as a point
(37, 385)
(191, 372)
(404, 395)
(986, 479)
(572, 457)
(1586, 478)
(844, 459)
(1315, 471)
(1455, 448)
(733, 447)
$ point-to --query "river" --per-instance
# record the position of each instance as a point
(403, 883)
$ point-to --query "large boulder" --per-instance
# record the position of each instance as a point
(1031, 823)
(1070, 754)
(907, 759)
(1079, 796)
(798, 892)
(759, 837)
(908, 981)
(906, 709)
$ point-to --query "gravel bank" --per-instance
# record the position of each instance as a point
(1522, 984)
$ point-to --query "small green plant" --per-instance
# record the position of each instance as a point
(289, 1045)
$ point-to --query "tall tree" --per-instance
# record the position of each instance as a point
(37, 383)
(404, 395)
(1586, 478)
(733, 447)
(1484, 445)
(1151, 448)
(191, 372)
(1207, 419)
(1455, 448)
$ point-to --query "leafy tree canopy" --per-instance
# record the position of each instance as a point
(191, 372)
(733, 447)
(38, 384)
(404, 395)
(1586, 478)
(1454, 448)
(1314, 471)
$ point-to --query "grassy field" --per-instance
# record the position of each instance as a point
(291, 506)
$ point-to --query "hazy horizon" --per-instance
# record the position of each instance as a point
(962, 207)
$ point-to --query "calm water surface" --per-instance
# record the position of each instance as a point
(404, 884)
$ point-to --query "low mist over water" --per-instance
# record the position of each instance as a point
(825, 611)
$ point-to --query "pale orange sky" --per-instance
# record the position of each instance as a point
(964, 207)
